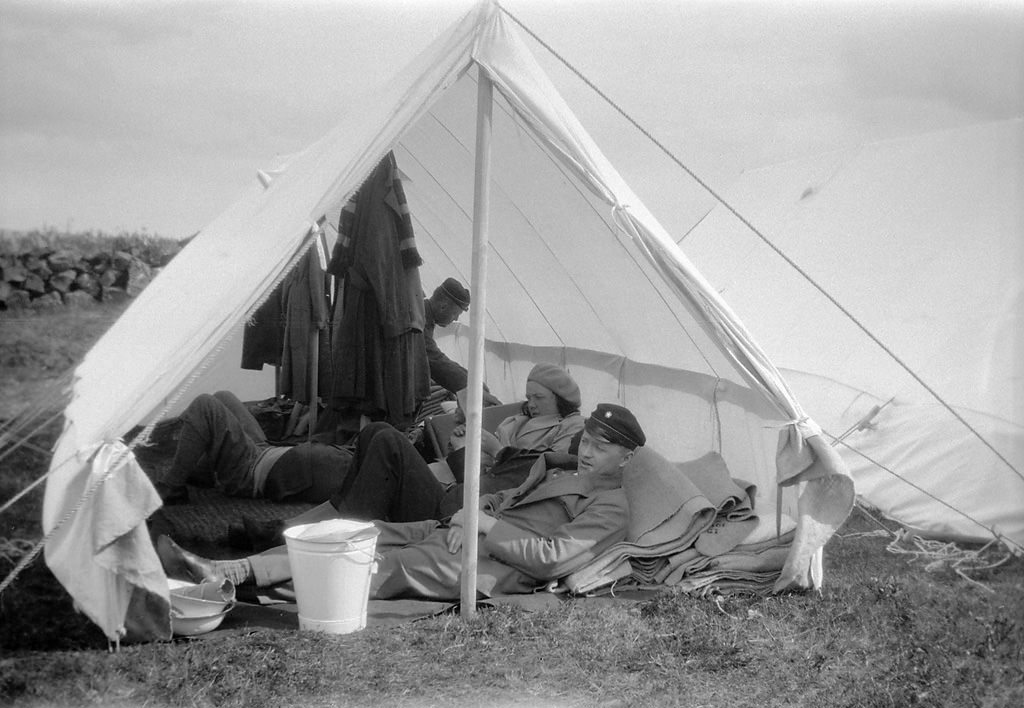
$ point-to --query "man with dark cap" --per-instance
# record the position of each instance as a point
(445, 306)
(566, 513)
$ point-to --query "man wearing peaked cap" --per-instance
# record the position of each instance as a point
(616, 424)
(559, 519)
(449, 300)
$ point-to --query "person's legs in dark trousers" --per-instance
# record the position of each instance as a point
(211, 429)
(250, 425)
(389, 480)
(308, 472)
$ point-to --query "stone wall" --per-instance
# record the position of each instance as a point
(48, 273)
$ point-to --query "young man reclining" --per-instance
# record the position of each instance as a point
(560, 518)
(222, 445)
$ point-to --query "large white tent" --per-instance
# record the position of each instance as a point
(921, 241)
(580, 273)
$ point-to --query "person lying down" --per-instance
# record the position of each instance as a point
(565, 513)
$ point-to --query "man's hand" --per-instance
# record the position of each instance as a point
(457, 440)
(454, 539)
(456, 533)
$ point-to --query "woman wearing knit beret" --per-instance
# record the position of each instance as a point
(549, 421)
(551, 414)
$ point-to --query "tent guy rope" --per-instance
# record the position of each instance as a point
(995, 534)
(140, 439)
(27, 559)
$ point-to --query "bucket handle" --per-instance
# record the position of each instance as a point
(372, 557)
(363, 535)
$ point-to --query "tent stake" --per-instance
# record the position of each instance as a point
(478, 293)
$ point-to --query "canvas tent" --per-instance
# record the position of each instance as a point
(580, 274)
(921, 239)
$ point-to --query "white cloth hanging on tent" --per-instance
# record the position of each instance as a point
(106, 543)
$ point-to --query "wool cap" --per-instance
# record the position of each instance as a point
(557, 380)
(456, 291)
(616, 425)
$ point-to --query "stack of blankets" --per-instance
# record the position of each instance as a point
(692, 526)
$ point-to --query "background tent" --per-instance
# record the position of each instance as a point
(580, 274)
(922, 240)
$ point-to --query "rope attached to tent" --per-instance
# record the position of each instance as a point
(31, 555)
(54, 396)
(141, 439)
(13, 437)
(768, 243)
(938, 555)
(23, 440)
(14, 500)
(11, 548)
(996, 536)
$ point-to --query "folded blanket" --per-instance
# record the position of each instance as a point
(724, 534)
(671, 507)
(664, 505)
(594, 577)
(729, 582)
(767, 560)
(684, 559)
(645, 570)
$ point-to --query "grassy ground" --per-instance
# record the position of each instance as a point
(885, 631)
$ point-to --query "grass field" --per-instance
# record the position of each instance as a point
(885, 631)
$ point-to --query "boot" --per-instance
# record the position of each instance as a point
(182, 565)
(264, 534)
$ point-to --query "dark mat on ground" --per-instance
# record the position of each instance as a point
(202, 524)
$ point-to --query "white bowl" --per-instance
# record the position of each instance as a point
(200, 600)
(191, 626)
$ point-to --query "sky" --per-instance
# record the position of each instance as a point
(154, 116)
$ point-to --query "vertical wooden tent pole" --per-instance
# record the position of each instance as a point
(314, 378)
(478, 308)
